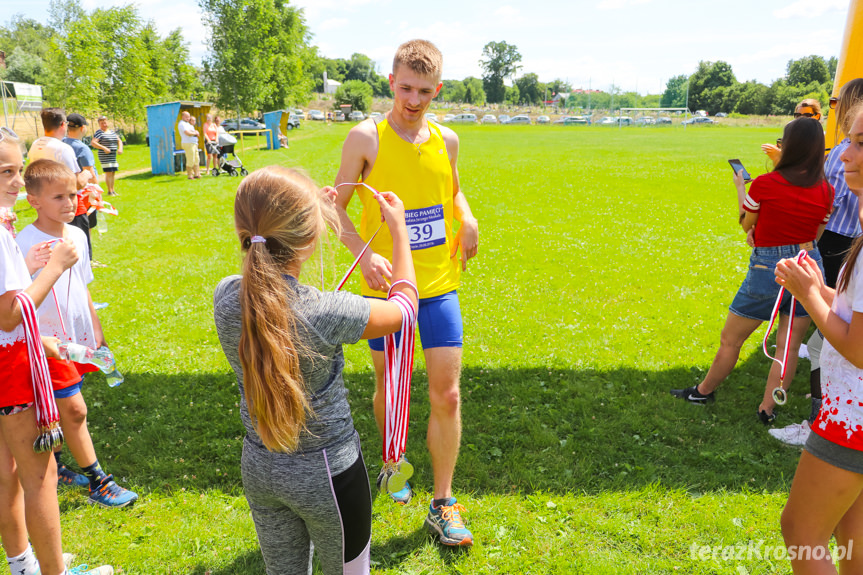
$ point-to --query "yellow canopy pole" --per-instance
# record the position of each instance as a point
(850, 64)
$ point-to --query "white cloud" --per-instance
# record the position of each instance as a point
(807, 9)
(507, 12)
(333, 23)
(618, 4)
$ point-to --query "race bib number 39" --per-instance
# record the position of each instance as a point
(426, 227)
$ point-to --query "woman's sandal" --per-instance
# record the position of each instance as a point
(766, 418)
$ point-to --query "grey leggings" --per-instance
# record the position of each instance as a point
(312, 501)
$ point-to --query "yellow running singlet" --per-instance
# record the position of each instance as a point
(422, 178)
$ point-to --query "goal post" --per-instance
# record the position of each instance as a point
(651, 116)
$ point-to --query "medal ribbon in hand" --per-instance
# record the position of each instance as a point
(779, 394)
(344, 279)
(47, 417)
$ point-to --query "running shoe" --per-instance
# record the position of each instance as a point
(445, 521)
(84, 570)
(109, 494)
(66, 476)
(795, 434)
(692, 395)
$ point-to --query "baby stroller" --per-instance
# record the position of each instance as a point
(225, 145)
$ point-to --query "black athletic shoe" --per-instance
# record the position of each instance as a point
(692, 395)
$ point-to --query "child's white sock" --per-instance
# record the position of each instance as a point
(24, 564)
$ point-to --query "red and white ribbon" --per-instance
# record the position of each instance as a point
(399, 364)
(783, 363)
(354, 265)
(47, 415)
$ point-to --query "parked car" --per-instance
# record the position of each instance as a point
(645, 121)
(317, 115)
(522, 119)
(298, 113)
(375, 115)
(543, 120)
(293, 121)
(448, 118)
(503, 118)
(721, 115)
(357, 116)
(464, 119)
(339, 116)
(699, 120)
(663, 120)
(615, 121)
(245, 124)
(489, 119)
(576, 121)
(431, 117)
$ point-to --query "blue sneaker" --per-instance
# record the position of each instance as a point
(109, 494)
(66, 476)
(446, 522)
(83, 570)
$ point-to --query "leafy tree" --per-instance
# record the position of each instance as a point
(75, 71)
(832, 64)
(452, 91)
(257, 53)
(530, 89)
(500, 61)
(703, 84)
(675, 92)
(182, 77)
(22, 66)
(752, 98)
(807, 70)
(360, 67)
(512, 95)
(558, 86)
(474, 93)
(356, 93)
(381, 87)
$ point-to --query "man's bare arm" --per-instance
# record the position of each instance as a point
(358, 151)
(468, 233)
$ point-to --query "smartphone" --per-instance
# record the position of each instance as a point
(737, 166)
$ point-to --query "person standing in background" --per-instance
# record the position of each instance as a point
(110, 144)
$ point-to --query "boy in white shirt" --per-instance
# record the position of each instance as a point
(51, 192)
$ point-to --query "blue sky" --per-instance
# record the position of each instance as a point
(636, 44)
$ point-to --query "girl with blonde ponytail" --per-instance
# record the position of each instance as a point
(303, 472)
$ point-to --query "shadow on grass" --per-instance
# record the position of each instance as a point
(524, 430)
(250, 563)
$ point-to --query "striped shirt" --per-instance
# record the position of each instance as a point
(110, 140)
(845, 219)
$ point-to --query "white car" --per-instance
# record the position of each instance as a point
(316, 115)
(464, 119)
(503, 118)
(519, 120)
(489, 119)
(431, 117)
(375, 115)
(543, 120)
(448, 118)
(357, 116)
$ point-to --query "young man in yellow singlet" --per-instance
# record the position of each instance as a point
(404, 153)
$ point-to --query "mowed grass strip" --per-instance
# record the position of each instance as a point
(607, 261)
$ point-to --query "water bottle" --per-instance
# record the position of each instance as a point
(103, 358)
(113, 377)
(102, 223)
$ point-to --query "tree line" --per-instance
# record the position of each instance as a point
(260, 57)
(714, 88)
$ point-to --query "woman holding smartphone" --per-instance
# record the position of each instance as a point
(791, 204)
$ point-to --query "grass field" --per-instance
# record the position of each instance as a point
(607, 261)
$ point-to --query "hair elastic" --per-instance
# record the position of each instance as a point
(258, 240)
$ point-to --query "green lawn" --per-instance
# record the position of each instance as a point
(607, 261)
